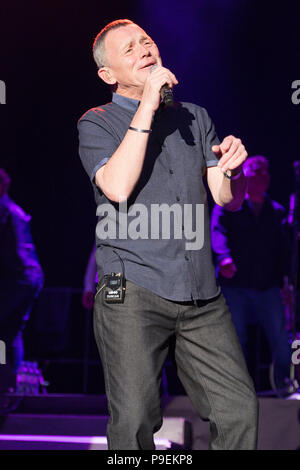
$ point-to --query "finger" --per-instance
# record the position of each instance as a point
(157, 70)
(167, 80)
(221, 149)
(240, 159)
(168, 76)
(171, 75)
(236, 161)
(217, 150)
(241, 155)
(174, 78)
(159, 77)
(230, 156)
(164, 79)
(225, 145)
(235, 144)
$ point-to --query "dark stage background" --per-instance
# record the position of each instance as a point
(237, 58)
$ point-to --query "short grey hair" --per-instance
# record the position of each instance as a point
(98, 45)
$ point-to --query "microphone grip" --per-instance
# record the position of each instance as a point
(165, 92)
(167, 95)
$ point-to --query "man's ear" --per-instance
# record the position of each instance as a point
(105, 74)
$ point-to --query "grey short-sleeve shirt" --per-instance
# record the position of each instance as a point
(162, 232)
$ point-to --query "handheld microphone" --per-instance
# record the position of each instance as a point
(165, 92)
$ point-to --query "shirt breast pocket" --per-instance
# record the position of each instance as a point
(192, 156)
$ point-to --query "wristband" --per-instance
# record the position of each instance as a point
(232, 178)
(146, 131)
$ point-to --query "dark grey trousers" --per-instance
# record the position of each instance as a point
(133, 339)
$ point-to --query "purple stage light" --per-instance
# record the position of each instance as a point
(91, 441)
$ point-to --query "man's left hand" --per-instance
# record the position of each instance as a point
(232, 154)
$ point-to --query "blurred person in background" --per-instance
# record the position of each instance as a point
(251, 253)
(21, 276)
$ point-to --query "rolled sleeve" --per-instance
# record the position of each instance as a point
(209, 138)
(96, 146)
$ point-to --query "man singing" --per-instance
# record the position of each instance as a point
(140, 154)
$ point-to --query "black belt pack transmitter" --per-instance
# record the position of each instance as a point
(114, 289)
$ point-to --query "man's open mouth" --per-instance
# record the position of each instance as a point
(148, 66)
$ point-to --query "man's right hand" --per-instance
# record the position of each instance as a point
(156, 79)
(119, 175)
(227, 268)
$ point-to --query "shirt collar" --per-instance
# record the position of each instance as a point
(128, 103)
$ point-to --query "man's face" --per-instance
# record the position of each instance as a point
(130, 54)
(257, 173)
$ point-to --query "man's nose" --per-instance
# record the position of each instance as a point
(144, 51)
